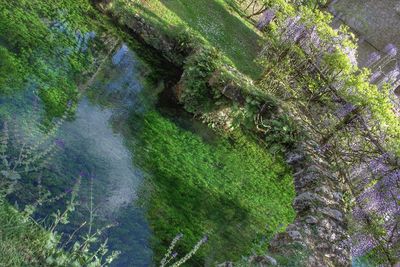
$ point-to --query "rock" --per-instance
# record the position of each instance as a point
(306, 180)
(337, 196)
(263, 261)
(225, 264)
(332, 237)
(311, 220)
(306, 200)
(323, 246)
(295, 235)
(324, 191)
(294, 157)
(328, 224)
(335, 214)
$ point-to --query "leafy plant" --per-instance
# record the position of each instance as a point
(196, 93)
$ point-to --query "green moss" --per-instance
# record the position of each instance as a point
(229, 190)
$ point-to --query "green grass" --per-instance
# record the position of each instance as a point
(22, 243)
(214, 20)
(228, 189)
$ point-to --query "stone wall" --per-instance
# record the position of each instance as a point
(320, 228)
(169, 48)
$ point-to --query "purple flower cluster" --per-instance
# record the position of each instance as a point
(373, 58)
(60, 143)
(390, 50)
(362, 244)
(266, 18)
(375, 76)
(381, 199)
(307, 38)
(378, 165)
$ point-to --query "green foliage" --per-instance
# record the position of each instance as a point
(25, 243)
(11, 74)
(343, 79)
(22, 242)
(56, 100)
(281, 134)
(295, 255)
(196, 93)
(310, 3)
(227, 189)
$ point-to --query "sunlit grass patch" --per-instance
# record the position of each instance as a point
(214, 21)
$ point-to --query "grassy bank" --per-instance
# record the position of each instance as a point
(22, 242)
(230, 189)
(214, 22)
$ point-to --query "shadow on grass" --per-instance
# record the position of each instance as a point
(178, 206)
(221, 29)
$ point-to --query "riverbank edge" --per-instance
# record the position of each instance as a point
(319, 201)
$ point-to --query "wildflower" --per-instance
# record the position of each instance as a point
(60, 143)
(373, 58)
(68, 190)
(391, 50)
(266, 18)
(375, 76)
(83, 174)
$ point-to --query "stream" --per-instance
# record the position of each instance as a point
(92, 148)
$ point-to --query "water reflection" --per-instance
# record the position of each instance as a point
(91, 147)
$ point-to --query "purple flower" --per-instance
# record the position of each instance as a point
(362, 244)
(266, 18)
(373, 58)
(68, 190)
(60, 143)
(378, 166)
(375, 76)
(83, 174)
(359, 214)
(391, 50)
